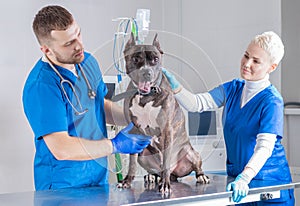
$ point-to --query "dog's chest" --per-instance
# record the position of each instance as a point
(146, 115)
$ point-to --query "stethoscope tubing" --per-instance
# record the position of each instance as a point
(91, 92)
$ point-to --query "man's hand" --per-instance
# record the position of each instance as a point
(239, 187)
(129, 143)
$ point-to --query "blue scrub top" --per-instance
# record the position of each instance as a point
(47, 110)
(262, 114)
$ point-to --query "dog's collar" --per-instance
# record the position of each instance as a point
(154, 90)
(123, 95)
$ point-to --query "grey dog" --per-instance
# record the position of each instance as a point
(154, 111)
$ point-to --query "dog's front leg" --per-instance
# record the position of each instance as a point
(132, 167)
(165, 184)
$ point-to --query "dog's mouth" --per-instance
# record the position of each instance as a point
(145, 87)
(146, 82)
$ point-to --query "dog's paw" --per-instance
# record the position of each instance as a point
(165, 189)
(151, 179)
(203, 179)
(124, 185)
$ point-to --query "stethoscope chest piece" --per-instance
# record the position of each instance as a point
(92, 94)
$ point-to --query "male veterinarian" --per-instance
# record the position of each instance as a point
(63, 100)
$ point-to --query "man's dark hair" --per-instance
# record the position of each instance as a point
(51, 18)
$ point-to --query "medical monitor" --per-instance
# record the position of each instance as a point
(111, 87)
(202, 124)
(206, 136)
(111, 84)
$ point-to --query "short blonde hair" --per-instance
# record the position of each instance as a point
(272, 44)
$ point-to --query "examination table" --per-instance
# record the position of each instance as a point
(184, 192)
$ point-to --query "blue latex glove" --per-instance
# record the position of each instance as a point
(129, 143)
(175, 85)
(239, 187)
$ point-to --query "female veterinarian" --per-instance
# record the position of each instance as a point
(252, 119)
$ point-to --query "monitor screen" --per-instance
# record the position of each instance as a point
(111, 84)
(202, 124)
(111, 87)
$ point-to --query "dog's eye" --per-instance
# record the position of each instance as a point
(135, 59)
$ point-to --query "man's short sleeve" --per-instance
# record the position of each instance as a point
(44, 108)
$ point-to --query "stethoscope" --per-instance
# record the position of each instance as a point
(91, 92)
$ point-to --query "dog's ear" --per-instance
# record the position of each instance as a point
(156, 44)
(130, 42)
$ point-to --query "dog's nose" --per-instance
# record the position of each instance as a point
(147, 75)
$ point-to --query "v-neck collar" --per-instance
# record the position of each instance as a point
(252, 99)
(251, 89)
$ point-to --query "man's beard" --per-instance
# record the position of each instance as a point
(70, 60)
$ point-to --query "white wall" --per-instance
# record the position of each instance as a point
(218, 31)
(290, 63)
